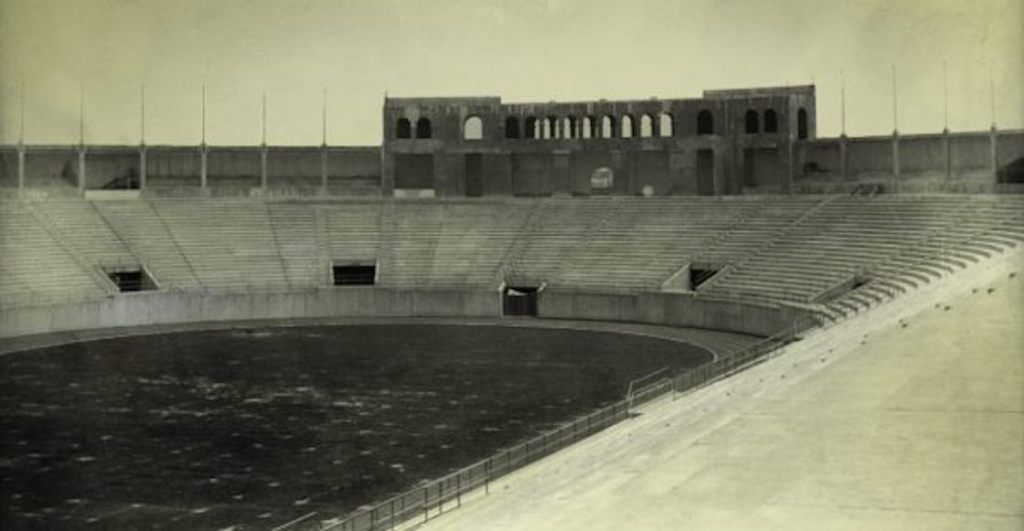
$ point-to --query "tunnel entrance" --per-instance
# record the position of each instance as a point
(130, 280)
(357, 274)
(520, 301)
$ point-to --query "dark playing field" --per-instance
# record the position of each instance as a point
(250, 428)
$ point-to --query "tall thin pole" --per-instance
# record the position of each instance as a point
(142, 113)
(323, 120)
(945, 97)
(81, 114)
(21, 124)
(204, 115)
(263, 139)
(895, 108)
(842, 98)
(992, 94)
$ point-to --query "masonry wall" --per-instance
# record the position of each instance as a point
(169, 308)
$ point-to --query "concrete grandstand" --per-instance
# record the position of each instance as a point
(648, 217)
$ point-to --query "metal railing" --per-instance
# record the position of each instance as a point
(435, 497)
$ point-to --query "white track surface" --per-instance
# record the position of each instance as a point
(868, 425)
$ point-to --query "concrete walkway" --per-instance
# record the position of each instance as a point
(895, 420)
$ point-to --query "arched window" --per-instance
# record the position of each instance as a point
(587, 127)
(403, 129)
(511, 127)
(473, 128)
(626, 127)
(607, 127)
(771, 121)
(569, 127)
(423, 128)
(705, 123)
(544, 128)
(552, 127)
(665, 127)
(646, 126)
(801, 124)
(530, 128)
(751, 120)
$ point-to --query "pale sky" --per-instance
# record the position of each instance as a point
(521, 50)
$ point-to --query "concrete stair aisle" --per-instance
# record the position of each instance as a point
(140, 227)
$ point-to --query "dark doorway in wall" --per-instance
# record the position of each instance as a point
(1012, 173)
(705, 172)
(474, 175)
(520, 301)
(423, 128)
(131, 280)
(701, 273)
(751, 125)
(771, 121)
(354, 274)
(511, 127)
(403, 129)
(801, 124)
(705, 123)
(530, 128)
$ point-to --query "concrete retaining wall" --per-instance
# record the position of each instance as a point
(673, 309)
(139, 309)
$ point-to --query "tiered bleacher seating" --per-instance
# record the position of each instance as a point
(799, 250)
(228, 243)
(35, 268)
(140, 226)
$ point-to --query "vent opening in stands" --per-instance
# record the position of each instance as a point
(355, 274)
(131, 280)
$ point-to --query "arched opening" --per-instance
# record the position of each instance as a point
(771, 121)
(552, 127)
(646, 126)
(705, 123)
(587, 127)
(473, 128)
(569, 127)
(530, 127)
(626, 130)
(607, 127)
(403, 129)
(801, 124)
(751, 125)
(511, 127)
(665, 127)
(544, 128)
(423, 129)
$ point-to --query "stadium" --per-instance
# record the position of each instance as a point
(662, 313)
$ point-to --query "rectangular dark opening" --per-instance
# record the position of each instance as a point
(355, 274)
(705, 172)
(474, 175)
(520, 301)
(131, 280)
(700, 275)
